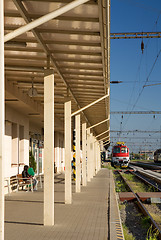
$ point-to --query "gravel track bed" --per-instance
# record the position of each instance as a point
(150, 180)
(132, 218)
(155, 212)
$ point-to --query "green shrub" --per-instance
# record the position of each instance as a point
(32, 161)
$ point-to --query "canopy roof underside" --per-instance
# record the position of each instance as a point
(75, 45)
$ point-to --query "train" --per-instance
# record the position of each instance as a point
(120, 155)
(157, 156)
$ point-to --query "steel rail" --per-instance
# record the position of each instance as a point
(150, 176)
(143, 209)
(146, 181)
(141, 164)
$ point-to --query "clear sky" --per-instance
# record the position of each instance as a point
(129, 65)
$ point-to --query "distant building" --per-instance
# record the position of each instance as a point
(150, 154)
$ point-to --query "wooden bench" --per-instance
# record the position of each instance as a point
(24, 182)
(7, 184)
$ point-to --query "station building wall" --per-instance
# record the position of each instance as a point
(18, 132)
(16, 147)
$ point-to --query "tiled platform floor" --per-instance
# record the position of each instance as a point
(85, 219)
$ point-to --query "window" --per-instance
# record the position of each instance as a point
(124, 150)
(116, 150)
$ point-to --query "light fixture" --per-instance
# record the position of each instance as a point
(32, 91)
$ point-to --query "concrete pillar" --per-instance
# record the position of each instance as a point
(77, 154)
(57, 152)
(99, 157)
(49, 148)
(91, 156)
(84, 154)
(68, 187)
(2, 118)
(88, 155)
(96, 156)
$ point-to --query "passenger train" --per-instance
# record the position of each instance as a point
(120, 155)
(157, 156)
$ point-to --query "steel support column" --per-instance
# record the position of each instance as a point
(49, 148)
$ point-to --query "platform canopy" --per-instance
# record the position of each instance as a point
(75, 44)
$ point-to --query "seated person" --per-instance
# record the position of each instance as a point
(25, 173)
(32, 174)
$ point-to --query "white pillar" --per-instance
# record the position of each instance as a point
(68, 187)
(91, 155)
(84, 154)
(88, 155)
(57, 152)
(95, 154)
(49, 148)
(77, 154)
(2, 118)
(99, 157)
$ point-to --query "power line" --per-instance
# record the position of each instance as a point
(135, 112)
(135, 35)
(135, 131)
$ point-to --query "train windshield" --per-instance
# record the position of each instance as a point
(124, 150)
(116, 150)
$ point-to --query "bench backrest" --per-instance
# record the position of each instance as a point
(19, 176)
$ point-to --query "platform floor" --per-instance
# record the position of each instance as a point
(87, 218)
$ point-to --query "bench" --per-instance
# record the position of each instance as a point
(7, 184)
(21, 182)
(17, 182)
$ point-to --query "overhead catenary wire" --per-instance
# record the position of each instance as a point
(147, 79)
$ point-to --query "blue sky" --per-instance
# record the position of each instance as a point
(129, 65)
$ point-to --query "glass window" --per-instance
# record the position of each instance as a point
(116, 150)
(124, 150)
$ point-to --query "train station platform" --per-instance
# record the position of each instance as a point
(93, 214)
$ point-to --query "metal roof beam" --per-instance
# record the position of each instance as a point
(59, 31)
(98, 123)
(89, 105)
(62, 18)
(35, 23)
(24, 14)
(46, 41)
(94, 2)
(102, 133)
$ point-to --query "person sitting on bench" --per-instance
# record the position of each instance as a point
(32, 174)
(25, 173)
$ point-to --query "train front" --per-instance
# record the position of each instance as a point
(120, 155)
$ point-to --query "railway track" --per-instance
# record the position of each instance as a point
(151, 166)
(155, 177)
(140, 204)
